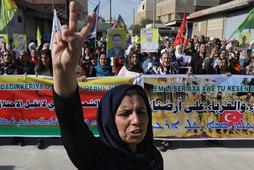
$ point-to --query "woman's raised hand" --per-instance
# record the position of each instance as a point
(67, 44)
(66, 52)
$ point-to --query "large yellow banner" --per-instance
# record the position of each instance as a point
(201, 107)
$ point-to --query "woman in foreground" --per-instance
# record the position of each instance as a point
(123, 117)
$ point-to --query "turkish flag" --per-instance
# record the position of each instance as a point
(231, 117)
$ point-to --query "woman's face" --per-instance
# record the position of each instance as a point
(7, 57)
(122, 60)
(222, 64)
(103, 60)
(34, 55)
(87, 51)
(202, 48)
(179, 50)
(223, 54)
(166, 59)
(167, 44)
(131, 120)
(134, 59)
(45, 59)
(189, 45)
(23, 55)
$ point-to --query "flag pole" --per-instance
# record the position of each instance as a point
(6, 30)
(240, 25)
(52, 5)
(97, 23)
(232, 34)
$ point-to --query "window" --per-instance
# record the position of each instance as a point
(143, 7)
(19, 19)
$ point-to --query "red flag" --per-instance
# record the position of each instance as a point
(231, 117)
(180, 35)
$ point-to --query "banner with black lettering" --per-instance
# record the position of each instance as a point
(191, 107)
(27, 106)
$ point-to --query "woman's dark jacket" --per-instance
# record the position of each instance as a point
(108, 152)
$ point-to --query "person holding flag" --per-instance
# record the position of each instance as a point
(124, 117)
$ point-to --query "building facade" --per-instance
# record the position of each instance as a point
(222, 21)
(145, 10)
(60, 6)
(32, 14)
(171, 11)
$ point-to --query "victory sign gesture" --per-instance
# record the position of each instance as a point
(66, 52)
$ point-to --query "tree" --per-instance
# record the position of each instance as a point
(145, 21)
(136, 29)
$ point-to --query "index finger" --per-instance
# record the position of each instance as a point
(73, 16)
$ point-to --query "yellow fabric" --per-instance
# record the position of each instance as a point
(8, 9)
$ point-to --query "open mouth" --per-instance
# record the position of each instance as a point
(136, 132)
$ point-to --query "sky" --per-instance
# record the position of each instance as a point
(123, 7)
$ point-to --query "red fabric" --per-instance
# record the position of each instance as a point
(180, 35)
(231, 117)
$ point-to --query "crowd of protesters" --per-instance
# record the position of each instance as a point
(201, 55)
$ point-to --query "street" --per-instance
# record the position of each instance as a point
(191, 155)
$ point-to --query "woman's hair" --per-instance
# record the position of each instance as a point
(130, 56)
(131, 92)
(13, 59)
(102, 53)
(40, 67)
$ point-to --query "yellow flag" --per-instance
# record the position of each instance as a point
(7, 11)
(38, 37)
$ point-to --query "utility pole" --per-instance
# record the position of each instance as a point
(154, 12)
(110, 11)
(133, 17)
(52, 3)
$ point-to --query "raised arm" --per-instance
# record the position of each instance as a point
(80, 144)
(66, 51)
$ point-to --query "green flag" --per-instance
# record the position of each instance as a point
(248, 22)
(7, 11)
(38, 37)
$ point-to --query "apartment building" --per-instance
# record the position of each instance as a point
(145, 10)
(170, 12)
(222, 21)
(60, 6)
